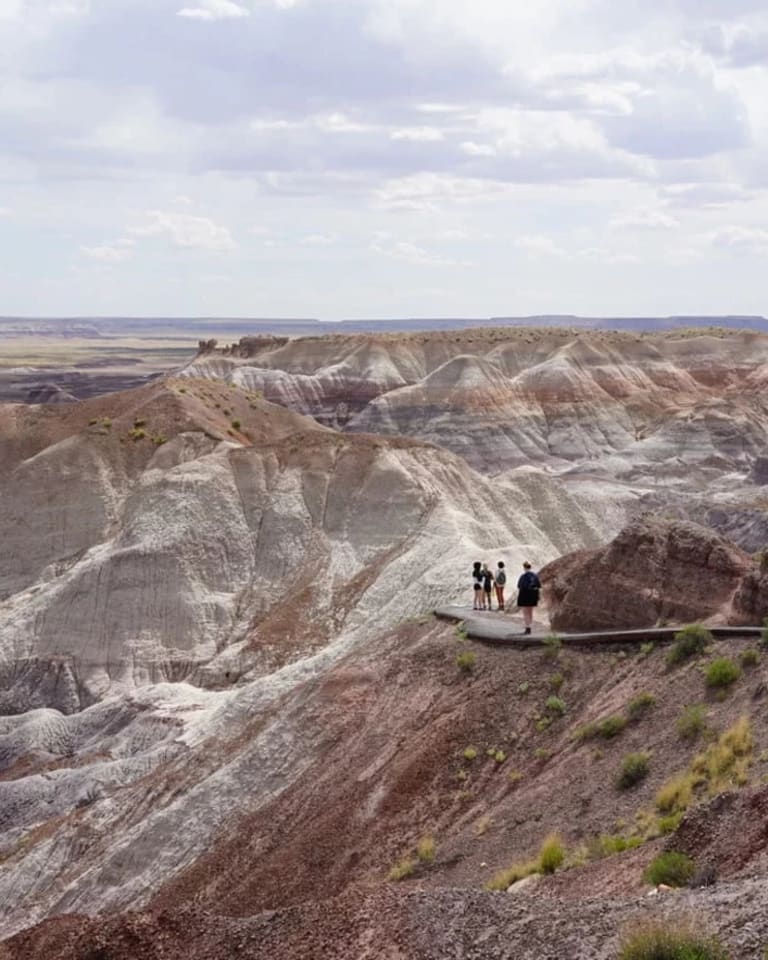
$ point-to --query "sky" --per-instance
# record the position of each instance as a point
(380, 158)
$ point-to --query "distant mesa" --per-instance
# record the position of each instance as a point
(49, 393)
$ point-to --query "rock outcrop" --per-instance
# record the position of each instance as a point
(655, 571)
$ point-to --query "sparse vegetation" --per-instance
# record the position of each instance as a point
(556, 681)
(638, 706)
(552, 854)
(670, 941)
(676, 794)
(634, 768)
(469, 753)
(426, 849)
(692, 722)
(749, 658)
(523, 688)
(552, 646)
(139, 422)
(764, 633)
(609, 845)
(236, 424)
(499, 756)
(402, 869)
(646, 649)
(611, 727)
(93, 421)
(461, 630)
(556, 706)
(721, 673)
(106, 422)
(670, 868)
(689, 642)
(671, 823)
(137, 434)
(466, 661)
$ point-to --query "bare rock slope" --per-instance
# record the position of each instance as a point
(656, 571)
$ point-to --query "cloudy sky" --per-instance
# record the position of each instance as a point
(374, 158)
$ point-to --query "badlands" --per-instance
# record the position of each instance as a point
(230, 725)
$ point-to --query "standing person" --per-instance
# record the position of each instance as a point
(528, 587)
(487, 584)
(477, 584)
(501, 580)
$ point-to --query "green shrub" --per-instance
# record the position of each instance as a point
(552, 854)
(523, 688)
(555, 705)
(236, 424)
(638, 706)
(749, 658)
(670, 941)
(692, 722)
(499, 757)
(671, 868)
(552, 646)
(556, 681)
(608, 846)
(646, 649)
(106, 422)
(466, 661)
(469, 753)
(611, 727)
(139, 422)
(518, 871)
(634, 768)
(689, 642)
(721, 672)
(671, 823)
(93, 422)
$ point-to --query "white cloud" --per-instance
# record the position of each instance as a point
(427, 191)
(319, 240)
(185, 230)
(645, 219)
(412, 253)
(114, 252)
(539, 245)
(418, 134)
(750, 240)
(214, 10)
(473, 149)
(5, 212)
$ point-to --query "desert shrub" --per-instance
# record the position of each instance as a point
(555, 705)
(749, 658)
(670, 941)
(638, 706)
(543, 723)
(556, 681)
(552, 854)
(93, 422)
(137, 434)
(689, 642)
(764, 633)
(236, 424)
(469, 753)
(634, 768)
(669, 824)
(552, 646)
(609, 845)
(676, 794)
(139, 422)
(646, 649)
(499, 756)
(611, 727)
(542, 753)
(426, 849)
(518, 871)
(402, 869)
(106, 422)
(691, 722)
(159, 440)
(523, 688)
(466, 661)
(721, 672)
(671, 868)
(461, 630)
(724, 764)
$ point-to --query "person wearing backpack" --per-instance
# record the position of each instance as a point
(501, 580)
(528, 587)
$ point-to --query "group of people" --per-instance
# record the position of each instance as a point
(485, 581)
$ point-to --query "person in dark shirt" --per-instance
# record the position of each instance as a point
(501, 580)
(528, 587)
(477, 584)
(487, 586)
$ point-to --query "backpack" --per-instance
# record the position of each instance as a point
(532, 582)
(501, 578)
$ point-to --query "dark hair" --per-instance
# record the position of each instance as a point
(527, 565)
(476, 565)
(500, 563)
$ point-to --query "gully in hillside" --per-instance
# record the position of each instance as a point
(528, 587)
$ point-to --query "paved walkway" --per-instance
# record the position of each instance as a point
(506, 629)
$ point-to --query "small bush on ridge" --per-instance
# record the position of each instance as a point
(721, 673)
(692, 721)
(749, 658)
(671, 868)
(658, 941)
(466, 661)
(552, 854)
(634, 768)
(555, 705)
(689, 642)
(638, 706)
(426, 849)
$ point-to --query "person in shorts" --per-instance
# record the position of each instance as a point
(500, 578)
(477, 585)
(528, 587)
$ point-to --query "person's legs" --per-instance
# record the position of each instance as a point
(500, 597)
(488, 598)
(477, 591)
(528, 618)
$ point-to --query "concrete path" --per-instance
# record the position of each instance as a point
(506, 629)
